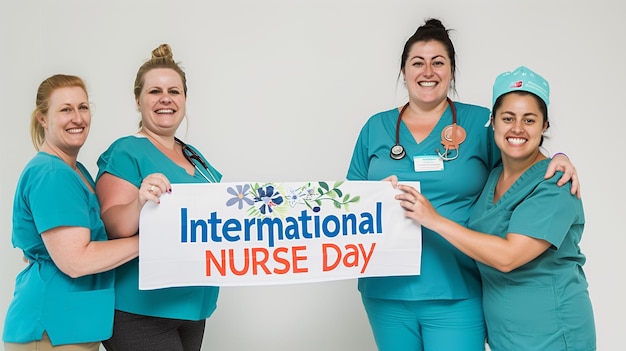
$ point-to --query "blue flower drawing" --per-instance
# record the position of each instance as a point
(269, 198)
(239, 196)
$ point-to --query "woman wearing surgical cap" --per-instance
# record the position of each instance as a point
(524, 232)
(446, 146)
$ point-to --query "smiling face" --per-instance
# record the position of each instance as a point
(518, 125)
(428, 73)
(162, 101)
(66, 124)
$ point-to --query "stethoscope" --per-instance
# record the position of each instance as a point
(451, 137)
(191, 156)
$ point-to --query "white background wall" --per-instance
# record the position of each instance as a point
(278, 91)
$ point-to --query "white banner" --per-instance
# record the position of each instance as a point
(235, 234)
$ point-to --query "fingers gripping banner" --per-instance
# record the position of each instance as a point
(236, 234)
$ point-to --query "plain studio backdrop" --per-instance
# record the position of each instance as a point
(278, 91)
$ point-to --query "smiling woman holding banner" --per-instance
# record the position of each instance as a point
(137, 169)
(524, 232)
(446, 146)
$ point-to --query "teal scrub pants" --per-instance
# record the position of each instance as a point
(432, 325)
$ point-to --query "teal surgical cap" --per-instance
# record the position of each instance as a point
(521, 79)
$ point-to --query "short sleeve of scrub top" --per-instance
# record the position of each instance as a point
(132, 158)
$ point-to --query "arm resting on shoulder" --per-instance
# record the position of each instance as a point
(560, 162)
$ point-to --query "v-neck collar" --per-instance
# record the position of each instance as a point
(519, 182)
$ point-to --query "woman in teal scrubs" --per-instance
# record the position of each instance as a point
(524, 232)
(440, 309)
(146, 163)
(64, 297)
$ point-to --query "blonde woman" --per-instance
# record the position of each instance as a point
(64, 298)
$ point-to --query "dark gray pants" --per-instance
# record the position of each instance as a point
(132, 332)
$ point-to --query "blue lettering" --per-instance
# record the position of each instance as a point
(273, 230)
(269, 222)
(367, 225)
(291, 231)
(316, 223)
(231, 225)
(194, 230)
(379, 217)
(325, 223)
(349, 222)
(213, 221)
(304, 219)
(183, 225)
(248, 223)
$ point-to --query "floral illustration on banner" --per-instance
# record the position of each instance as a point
(272, 199)
(240, 196)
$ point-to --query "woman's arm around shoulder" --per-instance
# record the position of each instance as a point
(76, 255)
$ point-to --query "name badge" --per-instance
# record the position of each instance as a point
(427, 163)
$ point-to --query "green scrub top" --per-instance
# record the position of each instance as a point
(544, 304)
(132, 158)
(51, 194)
(446, 272)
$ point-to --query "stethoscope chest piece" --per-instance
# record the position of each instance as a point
(452, 136)
(397, 152)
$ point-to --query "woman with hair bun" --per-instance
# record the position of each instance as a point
(447, 147)
(134, 170)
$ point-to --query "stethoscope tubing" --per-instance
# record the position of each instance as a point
(398, 152)
(191, 155)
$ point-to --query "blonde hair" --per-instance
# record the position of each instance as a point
(42, 102)
(162, 57)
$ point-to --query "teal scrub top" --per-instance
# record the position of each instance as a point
(544, 304)
(132, 158)
(51, 194)
(446, 272)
